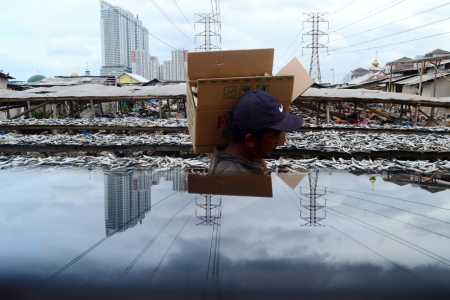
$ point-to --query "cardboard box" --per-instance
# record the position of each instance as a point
(222, 77)
(249, 185)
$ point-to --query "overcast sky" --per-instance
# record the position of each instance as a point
(59, 37)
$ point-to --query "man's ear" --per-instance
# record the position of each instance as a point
(250, 140)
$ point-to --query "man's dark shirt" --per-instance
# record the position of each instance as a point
(223, 163)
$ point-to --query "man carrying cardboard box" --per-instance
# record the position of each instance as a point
(258, 120)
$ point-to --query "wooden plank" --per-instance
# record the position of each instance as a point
(318, 113)
(388, 101)
(176, 148)
(92, 109)
(373, 154)
(327, 108)
(311, 107)
(185, 129)
(73, 148)
(429, 117)
(416, 114)
(102, 99)
(379, 113)
(62, 127)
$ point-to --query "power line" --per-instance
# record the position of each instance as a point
(374, 252)
(376, 39)
(135, 260)
(281, 57)
(168, 249)
(395, 4)
(301, 31)
(401, 209)
(129, 20)
(389, 23)
(54, 275)
(389, 197)
(379, 255)
(183, 14)
(170, 20)
(393, 237)
(448, 237)
(342, 8)
(371, 48)
(310, 231)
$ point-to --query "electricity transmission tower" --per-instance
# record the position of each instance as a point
(212, 217)
(315, 33)
(212, 30)
(312, 219)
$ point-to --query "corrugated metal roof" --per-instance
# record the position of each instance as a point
(67, 81)
(397, 78)
(416, 79)
(96, 91)
(363, 94)
(137, 77)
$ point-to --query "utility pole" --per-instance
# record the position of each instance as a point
(315, 33)
(209, 20)
(332, 69)
(312, 219)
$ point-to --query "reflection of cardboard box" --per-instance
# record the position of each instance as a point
(250, 185)
(222, 77)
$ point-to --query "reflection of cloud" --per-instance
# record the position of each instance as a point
(263, 247)
(302, 277)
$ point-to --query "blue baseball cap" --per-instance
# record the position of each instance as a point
(259, 110)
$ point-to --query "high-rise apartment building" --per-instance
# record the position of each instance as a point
(139, 59)
(167, 70)
(173, 69)
(179, 58)
(121, 36)
(127, 198)
(154, 68)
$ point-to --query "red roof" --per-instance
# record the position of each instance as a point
(437, 51)
(360, 71)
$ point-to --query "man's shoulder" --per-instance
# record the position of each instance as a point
(225, 162)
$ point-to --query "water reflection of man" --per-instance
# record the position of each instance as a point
(258, 121)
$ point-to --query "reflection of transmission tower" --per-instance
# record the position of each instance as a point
(314, 68)
(312, 219)
(210, 20)
(212, 217)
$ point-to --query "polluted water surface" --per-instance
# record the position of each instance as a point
(322, 234)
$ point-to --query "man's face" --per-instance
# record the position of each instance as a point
(269, 142)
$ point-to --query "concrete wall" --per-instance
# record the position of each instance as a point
(442, 88)
(126, 79)
(410, 89)
(3, 83)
